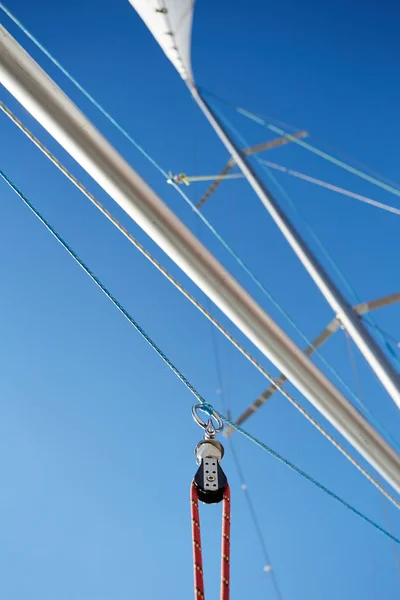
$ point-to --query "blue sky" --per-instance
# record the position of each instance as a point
(91, 421)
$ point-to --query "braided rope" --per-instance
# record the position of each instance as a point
(225, 545)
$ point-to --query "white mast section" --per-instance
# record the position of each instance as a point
(46, 102)
(368, 347)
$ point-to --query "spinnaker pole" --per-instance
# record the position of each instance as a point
(48, 104)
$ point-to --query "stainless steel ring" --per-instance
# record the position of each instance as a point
(202, 424)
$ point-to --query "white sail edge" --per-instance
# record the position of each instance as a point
(170, 22)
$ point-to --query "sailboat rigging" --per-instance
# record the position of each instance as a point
(170, 23)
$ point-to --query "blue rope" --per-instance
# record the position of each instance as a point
(293, 205)
(205, 405)
(80, 87)
(220, 239)
(102, 287)
(305, 475)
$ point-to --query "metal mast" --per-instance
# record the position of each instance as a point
(372, 353)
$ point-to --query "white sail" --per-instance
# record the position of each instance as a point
(170, 22)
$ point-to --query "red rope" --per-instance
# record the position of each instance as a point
(197, 555)
(226, 544)
(196, 537)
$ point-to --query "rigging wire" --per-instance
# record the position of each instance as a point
(293, 204)
(298, 175)
(258, 119)
(353, 363)
(288, 126)
(257, 527)
(390, 529)
(391, 337)
(207, 407)
(197, 304)
(362, 166)
(314, 235)
(250, 505)
(220, 390)
(97, 281)
(293, 467)
(333, 188)
(338, 163)
(160, 268)
(148, 157)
